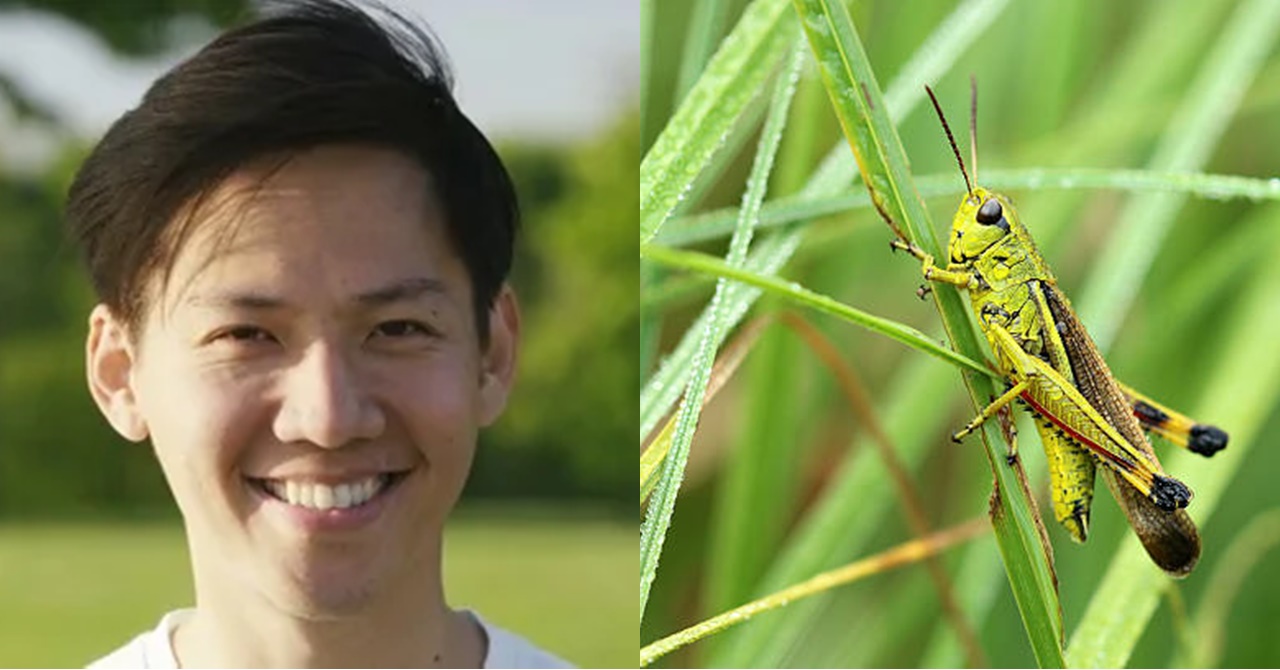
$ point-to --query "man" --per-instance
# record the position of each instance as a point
(300, 246)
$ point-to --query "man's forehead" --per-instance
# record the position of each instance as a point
(339, 205)
(352, 186)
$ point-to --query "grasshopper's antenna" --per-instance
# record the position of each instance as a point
(973, 125)
(938, 108)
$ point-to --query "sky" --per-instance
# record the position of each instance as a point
(552, 69)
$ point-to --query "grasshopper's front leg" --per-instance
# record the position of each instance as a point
(962, 278)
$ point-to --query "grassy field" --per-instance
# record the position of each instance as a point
(74, 592)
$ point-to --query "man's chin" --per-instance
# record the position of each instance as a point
(327, 602)
(327, 589)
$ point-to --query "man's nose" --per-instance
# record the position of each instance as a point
(326, 401)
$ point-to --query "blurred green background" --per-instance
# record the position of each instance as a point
(91, 550)
(780, 466)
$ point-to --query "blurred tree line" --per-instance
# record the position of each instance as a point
(576, 273)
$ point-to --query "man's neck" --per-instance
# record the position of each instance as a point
(403, 630)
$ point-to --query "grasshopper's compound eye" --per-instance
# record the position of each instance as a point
(990, 212)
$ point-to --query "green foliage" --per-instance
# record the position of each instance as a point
(1076, 96)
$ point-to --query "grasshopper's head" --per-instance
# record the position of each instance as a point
(982, 221)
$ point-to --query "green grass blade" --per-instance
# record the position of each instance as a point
(665, 386)
(651, 459)
(803, 297)
(686, 230)
(662, 504)
(737, 554)
(678, 159)
(933, 59)
(861, 111)
(908, 552)
(882, 161)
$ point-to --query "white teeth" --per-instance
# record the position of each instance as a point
(306, 496)
(315, 495)
(323, 496)
(342, 495)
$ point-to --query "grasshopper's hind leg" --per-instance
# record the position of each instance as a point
(1054, 398)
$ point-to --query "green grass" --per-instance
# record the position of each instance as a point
(73, 592)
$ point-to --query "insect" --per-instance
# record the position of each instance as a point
(1086, 418)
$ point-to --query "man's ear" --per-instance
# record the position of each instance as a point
(498, 361)
(109, 362)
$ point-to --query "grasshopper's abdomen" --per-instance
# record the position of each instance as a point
(1071, 479)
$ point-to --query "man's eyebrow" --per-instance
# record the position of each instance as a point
(247, 301)
(400, 291)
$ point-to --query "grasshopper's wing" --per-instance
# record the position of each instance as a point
(1178, 428)
(1169, 536)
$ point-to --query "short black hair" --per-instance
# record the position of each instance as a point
(307, 73)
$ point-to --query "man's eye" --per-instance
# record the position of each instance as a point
(245, 334)
(402, 328)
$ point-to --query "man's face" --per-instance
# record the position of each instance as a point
(313, 384)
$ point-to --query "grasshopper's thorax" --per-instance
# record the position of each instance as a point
(989, 241)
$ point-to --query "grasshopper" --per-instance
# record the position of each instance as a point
(1084, 416)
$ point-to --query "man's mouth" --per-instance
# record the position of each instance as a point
(325, 496)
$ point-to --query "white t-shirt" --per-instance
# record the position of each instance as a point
(153, 649)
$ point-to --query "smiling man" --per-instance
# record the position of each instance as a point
(300, 246)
